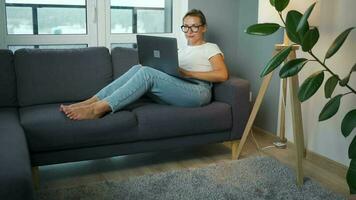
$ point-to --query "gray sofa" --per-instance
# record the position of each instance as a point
(33, 83)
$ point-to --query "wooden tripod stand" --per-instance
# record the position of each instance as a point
(296, 115)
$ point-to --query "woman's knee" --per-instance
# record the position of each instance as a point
(136, 66)
(148, 71)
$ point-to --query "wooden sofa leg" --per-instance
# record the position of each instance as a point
(234, 147)
(36, 177)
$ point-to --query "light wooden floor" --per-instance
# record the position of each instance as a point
(329, 174)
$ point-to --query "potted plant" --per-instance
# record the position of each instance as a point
(300, 33)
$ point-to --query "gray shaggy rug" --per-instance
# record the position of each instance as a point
(250, 178)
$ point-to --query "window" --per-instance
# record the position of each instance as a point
(13, 48)
(47, 24)
(52, 21)
(141, 16)
(65, 46)
(153, 17)
(46, 17)
(125, 45)
(151, 21)
(121, 20)
(79, 23)
(19, 20)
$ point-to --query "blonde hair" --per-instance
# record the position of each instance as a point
(196, 13)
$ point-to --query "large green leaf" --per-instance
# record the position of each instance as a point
(353, 69)
(262, 29)
(276, 61)
(330, 86)
(280, 5)
(338, 42)
(348, 123)
(344, 81)
(310, 86)
(305, 17)
(310, 39)
(292, 20)
(292, 67)
(351, 176)
(271, 2)
(352, 149)
(330, 108)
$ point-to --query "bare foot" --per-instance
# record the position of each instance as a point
(64, 108)
(92, 111)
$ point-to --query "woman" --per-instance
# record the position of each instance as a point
(201, 61)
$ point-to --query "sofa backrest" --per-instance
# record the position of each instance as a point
(7, 79)
(60, 75)
(123, 59)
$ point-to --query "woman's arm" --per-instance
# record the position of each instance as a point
(219, 73)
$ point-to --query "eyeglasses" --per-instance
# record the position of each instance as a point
(194, 28)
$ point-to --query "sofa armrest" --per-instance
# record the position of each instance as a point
(236, 93)
(15, 168)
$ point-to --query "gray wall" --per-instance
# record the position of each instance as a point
(245, 55)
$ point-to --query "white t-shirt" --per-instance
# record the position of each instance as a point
(196, 58)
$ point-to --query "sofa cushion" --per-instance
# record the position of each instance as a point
(61, 75)
(7, 79)
(15, 167)
(164, 121)
(49, 129)
(123, 59)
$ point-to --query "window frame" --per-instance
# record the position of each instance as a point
(2, 25)
(35, 16)
(178, 9)
(98, 28)
(88, 39)
(135, 11)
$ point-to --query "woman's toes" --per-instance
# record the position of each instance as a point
(70, 115)
(62, 107)
(67, 110)
(75, 117)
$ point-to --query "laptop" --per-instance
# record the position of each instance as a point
(160, 53)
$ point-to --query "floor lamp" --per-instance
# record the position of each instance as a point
(268, 14)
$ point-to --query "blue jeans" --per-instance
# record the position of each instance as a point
(159, 86)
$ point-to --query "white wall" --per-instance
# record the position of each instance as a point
(183, 8)
(325, 137)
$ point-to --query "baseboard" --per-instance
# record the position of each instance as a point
(334, 166)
